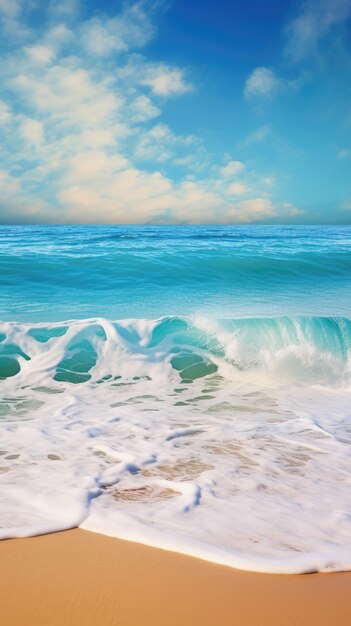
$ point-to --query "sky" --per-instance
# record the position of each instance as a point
(171, 111)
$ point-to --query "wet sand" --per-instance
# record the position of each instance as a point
(77, 578)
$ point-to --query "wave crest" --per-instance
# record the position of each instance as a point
(303, 349)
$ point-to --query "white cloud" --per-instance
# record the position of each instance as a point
(8, 183)
(58, 35)
(194, 203)
(143, 109)
(260, 209)
(262, 83)
(64, 8)
(314, 21)
(10, 19)
(269, 181)
(79, 140)
(40, 54)
(232, 168)
(257, 136)
(237, 189)
(18, 206)
(100, 39)
(5, 113)
(133, 196)
(130, 196)
(10, 8)
(32, 131)
(164, 80)
(158, 143)
(253, 210)
(131, 29)
(84, 166)
(69, 94)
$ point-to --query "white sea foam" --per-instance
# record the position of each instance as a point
(230, 443)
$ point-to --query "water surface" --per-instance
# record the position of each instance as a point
(184, 387)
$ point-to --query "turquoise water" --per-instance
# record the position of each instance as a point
(186, 387)
(58, 273)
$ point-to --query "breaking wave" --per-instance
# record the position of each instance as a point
(306, 349)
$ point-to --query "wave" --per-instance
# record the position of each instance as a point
(302, 349)
(227, 440)
(119, 272)
(38, 264)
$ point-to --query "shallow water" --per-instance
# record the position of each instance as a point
(213, 420)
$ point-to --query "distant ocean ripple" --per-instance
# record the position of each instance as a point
(55, 273)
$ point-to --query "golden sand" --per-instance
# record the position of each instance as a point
(77, 578)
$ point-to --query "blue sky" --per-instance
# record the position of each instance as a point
(170, 111)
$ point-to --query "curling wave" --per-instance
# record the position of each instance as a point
(306, 349)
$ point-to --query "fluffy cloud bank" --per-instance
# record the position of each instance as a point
(83, 137)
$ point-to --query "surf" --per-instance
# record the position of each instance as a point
(185, 387)
(224, 439)
(305, 349)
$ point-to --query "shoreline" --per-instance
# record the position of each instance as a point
(77, 577)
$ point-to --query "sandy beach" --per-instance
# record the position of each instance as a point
(80, 578)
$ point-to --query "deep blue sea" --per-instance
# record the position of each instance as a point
(186, 387)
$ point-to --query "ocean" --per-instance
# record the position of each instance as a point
(184, 387)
